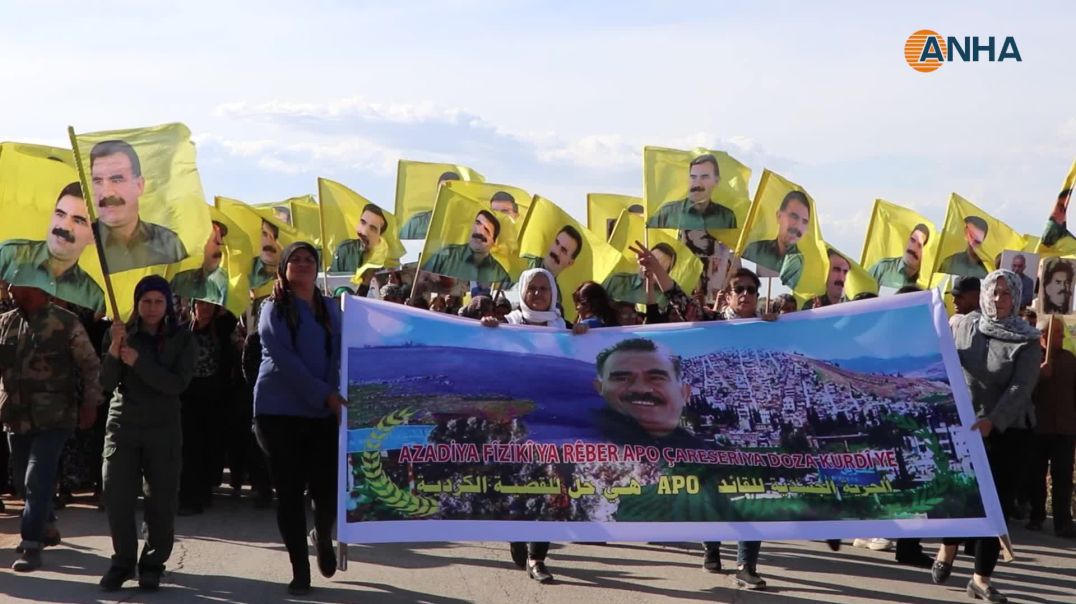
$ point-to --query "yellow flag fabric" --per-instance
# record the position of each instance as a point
(845, 279)
(416, 192)
(467, 240)
(359, 234)
(268, 236)
(624, 284)
(502, 199)
(683, 192)
(1057, 239)
(147, 195)
(783, 238)
(300, 213)
(553, 240)
(45, 232)
(603, 211)
(972, 240)
(900, 247)
(221, 276)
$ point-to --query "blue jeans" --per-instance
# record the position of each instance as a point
(746, 551)
(35, 459)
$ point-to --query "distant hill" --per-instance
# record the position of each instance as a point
(903, 365)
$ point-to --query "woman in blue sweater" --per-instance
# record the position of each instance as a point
(297, 405)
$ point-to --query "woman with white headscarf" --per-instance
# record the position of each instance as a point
(1000, 355)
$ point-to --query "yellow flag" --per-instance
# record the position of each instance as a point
(268, 236)
(45, 230)
(468, 240)
(506, 200)
(972, 240)
(553, 240)
(845, 279)
(701, 192)
(1057, 239)
(625, 283)
(221, 276)
(300, 213)
(603, 211)
(900, 247)
(416, 192)
(359, 234)
(147, 195)
(782, 236)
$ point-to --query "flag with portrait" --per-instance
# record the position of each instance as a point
(603, 211)
(845, 279)
(1057, 239)
(972, 241)
(416, 192)
(359, 235)
(300, 213)
(900, 246)
(625, 284)
(268, 236)
(221, 276)
(511, 202)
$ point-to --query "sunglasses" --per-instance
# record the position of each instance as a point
(749, 289)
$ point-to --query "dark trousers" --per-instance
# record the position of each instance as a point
(536, 550)
(1053, 452)
(746, 551)
(202, 419)
(302, 456)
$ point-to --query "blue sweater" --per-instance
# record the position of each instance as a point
(296, 379)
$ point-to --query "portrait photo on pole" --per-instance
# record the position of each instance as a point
(147, 195)
(700, 193)
(1055, 285)
(1026, 267)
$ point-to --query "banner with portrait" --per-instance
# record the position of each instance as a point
(551, 239)
(625, 283)
(782, 235)
(603, 211)
(416, 191)
(900, 246)
(850, 420)
(701, 193)
(359, 235)
(972, 241)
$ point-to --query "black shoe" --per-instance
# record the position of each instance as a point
(115, 577)
(987, 593)
(189, 510)
(1068, 532)
(834, 544)
(711, 562)
(262, 501)
(747, 578)
(537, 571)
(299, 587)
(919, 560)
(939, 573)
(1034, 525)
(29, 561)
(51, 538)
(518, 550)
(323, 548)
(149, 579)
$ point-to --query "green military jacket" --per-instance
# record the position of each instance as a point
(892, 272)
(348, 257)
(146, 395)
(260, 274)
(417, 226)
(73, 285)
(683, 215)
(767, 254)
(1054, 232)
(151, 245)
(960, 264)
(46, 361)
(457, 260)
(630, 287)
(196, 285)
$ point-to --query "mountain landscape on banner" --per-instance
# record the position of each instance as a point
(922, 366)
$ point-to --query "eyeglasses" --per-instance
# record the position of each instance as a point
(749, 289)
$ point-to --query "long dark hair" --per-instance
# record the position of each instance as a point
(284, 299)
(598, 300)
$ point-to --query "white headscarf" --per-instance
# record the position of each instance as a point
(526, 315)
(1012, 328)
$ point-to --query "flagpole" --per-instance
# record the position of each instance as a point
(325, 260)
(110, 293)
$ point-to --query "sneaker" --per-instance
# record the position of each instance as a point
(880, 545)
(518, 550)
(864, 543)
(747, 578)
(536, 570)
(115, 577)
(30, 560)
(987, 593)
(711, 562)
(323, 548)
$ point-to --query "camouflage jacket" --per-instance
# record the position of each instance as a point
(47, 366)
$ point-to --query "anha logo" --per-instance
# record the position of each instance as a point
(926, 50)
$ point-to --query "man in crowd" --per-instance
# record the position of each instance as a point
(1057, 274)
(780, 254)
(418, 224)
(966, 295)
(472, 261)
(351, 254)
(56, 258)
(838, 274)
(562, 252)
(697, 213)
(46, 358)
(1027, 294)
(905, 269)
(129, 242)
(210, 281)
(967, 263)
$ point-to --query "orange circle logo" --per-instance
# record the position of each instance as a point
(913, 50)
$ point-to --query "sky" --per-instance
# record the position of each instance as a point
(560, 98)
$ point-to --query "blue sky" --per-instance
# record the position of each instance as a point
(559, 98)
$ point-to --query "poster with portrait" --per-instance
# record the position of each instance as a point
(417, 184)
(845, 421)
(1055, 285)
(701, 193)
(1026, 266)
(147, 195)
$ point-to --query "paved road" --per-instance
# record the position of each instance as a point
(231, 554)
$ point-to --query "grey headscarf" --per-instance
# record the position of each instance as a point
(1012, 328)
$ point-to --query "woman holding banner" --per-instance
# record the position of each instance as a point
(297, 406)
(1000, 355)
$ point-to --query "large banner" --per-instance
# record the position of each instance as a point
(846, 421)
